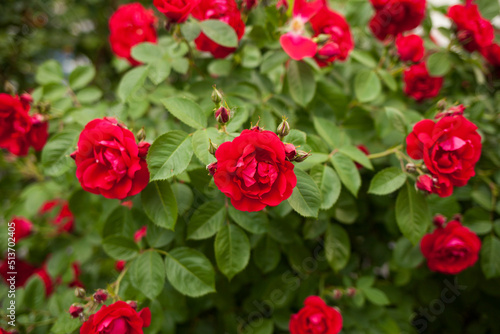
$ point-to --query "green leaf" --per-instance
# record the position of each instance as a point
(169, 155)
(328, 183)
(232, 250)
(388, 79)
(159, 203)
(254, 222)
(186, 111)
(81, 76)
(146, 52)
(206, 220)
(89, 95)
(301, 83)
(367, 86)
(119, 223)
(201, 143)
(65, 324)
(305, 198)
(184, 197)
(267, 254)
(348, 173)
(158, 71)
(190, 272)
(364, 58)
(180, 65)
(337, 247)
(147, 273)
(251, 56)
(49, 72)
(261, 326)
(131, 82)
(357, 155)
(387, 181)
(376, 296)
(34, 293)
(412, 213)
(56, 158)
(190, 30)
(159, 237)
(273, 59)
(120, 248)
(406, 255)
(330, 132)
(439, 64)
(490, 261)
(220, 32)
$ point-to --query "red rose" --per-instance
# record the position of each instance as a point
(108, 161)
(3, 331)
(393, 17)
(410, 48)
(473, 31)
(117, 318)
(64, 219)
(130, 25)
(176, 10)
(222, 10)
(316, 318)
(75, 310)
(38, 135)
(23, 228)
(451, 249)
(120, 265)
(253, 171)
(24, 272)
(419, 84)
(492, 54)
(450, 149)
(339, 43)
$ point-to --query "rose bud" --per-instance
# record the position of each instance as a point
(100, 296)
(133, 304)
(119, 265)
(216, 97)
(141, 134)
(212, 147)
(410, 168)
(301, 156)
(283, 128)
(140, 233)
(337, 294)
(458, 217)
(212, 168)
(351, 292)
(26, 99)
(439, 220)
(290, 152)
(80, 293)
(425, 183)
(75, 310)
(143, 149)
(222, 115)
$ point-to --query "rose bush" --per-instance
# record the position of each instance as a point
(249, 167)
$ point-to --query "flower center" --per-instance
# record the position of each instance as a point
(297, 25)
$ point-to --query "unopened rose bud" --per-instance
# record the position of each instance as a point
(290, 152)
(441, 105)
(119, 265)
(222, 115)
(212, 147)
(439, 220)
(424, 183)
(301, 156)
(456, 110)
(26, 99)
(216, 96)
(411, 168)
(457, 217)
(337, 294)
(212, 168)
(100, 296)
(75, 310)
(80, 293)
(283, 128)
(141, 134)
(351, 292)
(132, 304)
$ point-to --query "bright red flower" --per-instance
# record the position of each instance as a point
(108, 161)
(492, 54)
(222, 10)
(419, 84)
(316, 318)
(117, 318)
(130, 25)
(25, 271)
(38, 135)
(473, 31)
(253, 171)
(410, 48)
(450, 149)
(392, 17)
(64, 219)
(176, 11)
(451, 249)
(23, 228)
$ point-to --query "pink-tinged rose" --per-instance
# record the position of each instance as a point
(290, 152)
(140, 233)
(298, 47)
(450, 149)
(117, 318)
(410, 48)
(63, 217)
(108, 161)
(419, 84)
(176, 11)
(473, 31)
(316, 318)
(23, 228)
(25, 271)
(392, 17)
(222, 10)
(130, 25)
(15, 124)
(451, 249)
(253, 172)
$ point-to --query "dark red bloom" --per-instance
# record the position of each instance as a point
(222, 10)
(492, 54)
(63, 219)
(130, 25)
(176, 11)
(108, 161)
(419, 84)
(75, 310)
(451, 249)
(316, 318)
(222, 115)
(23, 228)
(38, 135)
(473, 31)
(117, 318)
(24, 272)
(100, 296)
(253, 171)
(410, 48)
(392, 17)
(143, 149)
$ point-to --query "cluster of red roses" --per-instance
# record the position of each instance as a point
(19, 130)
